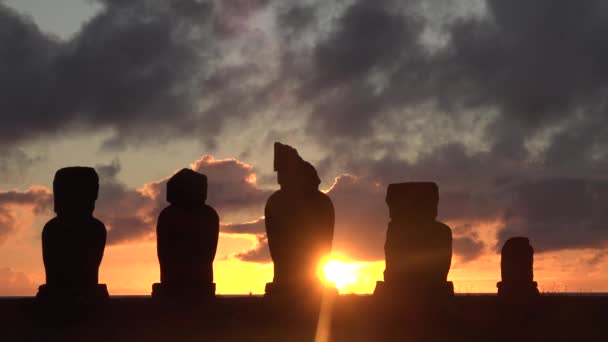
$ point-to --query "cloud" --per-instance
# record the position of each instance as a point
(361, 217)
(137, 62)
(129, 68)
(256, 227)
(131, 214)
(360, 226)
(559, 213)
(15, 162)
(233, 187)
(37, 199)
(467, 248)
(13, 283)
(501, 103)
(259, 254)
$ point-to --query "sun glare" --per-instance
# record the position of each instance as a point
(340, 273)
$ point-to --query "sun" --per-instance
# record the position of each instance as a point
(340, 273)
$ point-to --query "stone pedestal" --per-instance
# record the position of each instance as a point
(47, 293)
(202, 292)
(438, 291)
(529, 290)
(275, 290)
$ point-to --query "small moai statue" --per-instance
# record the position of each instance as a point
(418, 248)
(73, 242)
(299, 224)
(187, 235)
(516, 269)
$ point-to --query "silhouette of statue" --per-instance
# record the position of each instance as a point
(418, 248)
(516, 269)
(73, 242)
(187, 236)
(299, 224)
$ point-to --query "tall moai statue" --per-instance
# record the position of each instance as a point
(73, 242)
(299, 225)
(418, 248)
(187, 235)
(516, 269)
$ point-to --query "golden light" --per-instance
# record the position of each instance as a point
(339, 272)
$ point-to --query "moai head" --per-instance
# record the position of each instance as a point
(413, 201)
(75, 191)
(516, 264)
(187, 188)
(293, 172)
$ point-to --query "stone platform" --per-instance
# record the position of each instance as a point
(344, 318)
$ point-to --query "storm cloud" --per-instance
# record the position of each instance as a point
(130, 68)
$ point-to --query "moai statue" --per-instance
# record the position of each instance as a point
(187, 235)
(299, 225)
(73, 242)
(516, 269)
(418, 248)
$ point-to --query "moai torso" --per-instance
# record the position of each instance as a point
(300, 232)
(72, 252)
(418, 252)
(299, 221)
(187, 233)
(73, 242)
(418, 249)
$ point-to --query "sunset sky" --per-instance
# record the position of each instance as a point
(502, 103)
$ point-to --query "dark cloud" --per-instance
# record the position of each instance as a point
(131, 214)
(361, 222)
(399, 110)
(504, 107)
(256, 227)
(232, 187)
(131, 67)
(559, 213)
(259, 254)
(38, 200)
(467, 248)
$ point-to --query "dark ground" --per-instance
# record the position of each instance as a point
(353, 318)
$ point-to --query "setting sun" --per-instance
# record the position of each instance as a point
(340, 273)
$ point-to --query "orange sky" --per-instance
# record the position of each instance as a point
(130, 267)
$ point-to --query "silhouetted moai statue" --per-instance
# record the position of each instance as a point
(299, 224)
(187, 236)
(73, 242)
(516, 268)
(418, 248)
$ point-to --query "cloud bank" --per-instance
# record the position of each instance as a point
(500, 102)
